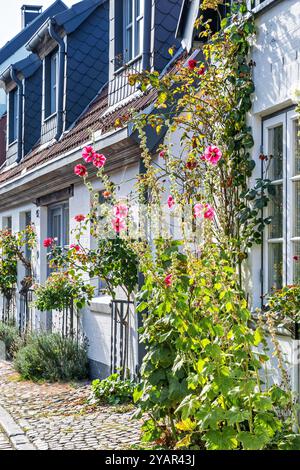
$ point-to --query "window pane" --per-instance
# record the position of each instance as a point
(296, 262)
(53, 84)
(296, 186)
(129, 11)
(275, 211)
(275, 136)
(297, 148)
(137, 8)
(128, 45)
(275, 265)
(16, 115)
(138, 41)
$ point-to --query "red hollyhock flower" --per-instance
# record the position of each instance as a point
(80, 170)
(162, 154)
(48, 242)
(88, 154)
(168, 280)
(201, 70)
(192, 63)
(79, 218)
(118, 225)
(75, 247)
(99, 160)
(296, 258)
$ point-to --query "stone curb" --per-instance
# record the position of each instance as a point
(17, 437)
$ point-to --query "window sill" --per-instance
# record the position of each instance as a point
(128, 64)
(48, 118)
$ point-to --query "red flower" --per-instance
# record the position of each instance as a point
(192, 63)
(171, 202)
(118, 225)
(48, 242)
(88, 154)
(106, 194)
(80, 170)
(296, 258)
(79, 218)
(162, 154)
(168, 280)
(75, 247)
(99, 160)
(201, 70)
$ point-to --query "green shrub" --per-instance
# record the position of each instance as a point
(53, 358)
(9, 335)
(113, 390)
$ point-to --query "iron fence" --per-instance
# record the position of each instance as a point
(67, 322)
(120, 336)
(26, 312)
(9, 306)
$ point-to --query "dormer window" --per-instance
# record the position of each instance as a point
(51, 81)
(132, 29)
(13, 116)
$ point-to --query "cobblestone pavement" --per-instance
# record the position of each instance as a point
(58, 417)
(4, 442)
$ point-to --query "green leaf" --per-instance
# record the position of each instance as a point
(221, 440)
(252, 441)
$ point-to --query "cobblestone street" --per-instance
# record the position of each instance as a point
(4, 442)
(58, 417)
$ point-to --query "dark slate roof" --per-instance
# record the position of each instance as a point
(96, 118)
(166, 18)
(77, 14)
(21, 39)
(28, 66)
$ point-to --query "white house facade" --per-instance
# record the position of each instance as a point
(78, 107)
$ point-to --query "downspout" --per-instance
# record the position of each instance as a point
(147, 35)
(19, 84)
(61, 77)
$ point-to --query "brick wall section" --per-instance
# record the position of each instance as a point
(3, 139)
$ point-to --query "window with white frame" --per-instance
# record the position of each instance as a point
(282, 238)
(251, 4)
(58, 222)
(51, 83)
(132, 29)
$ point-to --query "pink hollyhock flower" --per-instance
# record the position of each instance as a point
(80, 170)
(79, 218)
(48, 242)
(192, 63)
(209, 212)
(206, 211)
(163, 153)
(88, 154)
(121, 211)
(171, 202)
(168, 280)
(212, 154)
(75, 247)
(118, 225)
(99, 160)
(198, 210)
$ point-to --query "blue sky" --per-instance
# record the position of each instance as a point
(10, 18)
